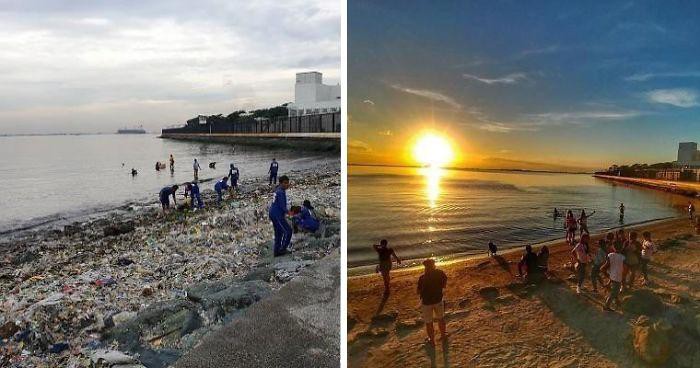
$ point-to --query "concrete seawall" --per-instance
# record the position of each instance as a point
(308, 141)
(678, 187)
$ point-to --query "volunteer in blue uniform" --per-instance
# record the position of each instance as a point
(192, 189)
(233, 175)
(219, 187)
(278, 211)
(164, 196)
(306, 219)
(274, 166)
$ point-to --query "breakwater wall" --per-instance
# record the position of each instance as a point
(676, 187)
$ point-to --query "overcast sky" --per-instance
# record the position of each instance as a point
(95, 66)
(573, 83)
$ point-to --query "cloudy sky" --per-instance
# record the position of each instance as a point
(94, 66)
(546, 81)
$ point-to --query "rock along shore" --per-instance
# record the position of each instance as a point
(138, 289)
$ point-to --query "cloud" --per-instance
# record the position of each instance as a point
(358, 146)
(643, 77)
(369, 102)
(386, 133)
(680, 97)
(430, 95)
(497, 127)
(535, 122)
(507, 79)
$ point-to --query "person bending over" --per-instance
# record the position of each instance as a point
(164, 197)
(529, 262)
(220, 187)
(192, 189)
(306, 218)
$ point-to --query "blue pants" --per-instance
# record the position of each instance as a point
(198, 198)
(283, 234)
(273, 177)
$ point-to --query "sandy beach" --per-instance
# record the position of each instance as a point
(495, 320)
(137, 288)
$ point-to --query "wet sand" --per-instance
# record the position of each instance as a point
(495, 320)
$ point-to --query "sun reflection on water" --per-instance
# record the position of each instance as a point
(433, 175)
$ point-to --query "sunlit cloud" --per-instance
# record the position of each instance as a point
(386, 133)
(506, 79)
(359, 146)
(430, 95)
(368, 102)
(679, 97)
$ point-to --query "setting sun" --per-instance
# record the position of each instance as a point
(432, 150)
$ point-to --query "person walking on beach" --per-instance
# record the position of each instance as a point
(599, 258)
(633, 254)
(570, 226)
(233, 175)
(581, 257)
(614, 265)
(530, 263)
(385, 254)
(196, 168)
(622, 212)
(583, 221)
(192, 189)
(278, 211)
(648, 249)
(164, 197)
(492, 249)
(274, 166)
(430, 286)
(219, 188)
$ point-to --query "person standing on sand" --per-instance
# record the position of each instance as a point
(278, 211)
(172, 162)
(583, 221)
(691, 211)
(570, 226)
(164, 197)
(601, 255)
(385, 254)
(430, 286)
(615, 265)
(633, 253)
(581, 256)
(233, 175)
(648, 249)
(274, 166)
(196, 168)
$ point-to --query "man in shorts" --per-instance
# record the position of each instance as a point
(430, 286)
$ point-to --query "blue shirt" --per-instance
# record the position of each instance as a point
(194, 189)
(279, 203)
(273, 167)
(220, 185)
(233, 173)
(308, 220)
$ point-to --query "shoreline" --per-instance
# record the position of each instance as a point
(687, 189)
(494, 319)
(415, 263)
(127, 281)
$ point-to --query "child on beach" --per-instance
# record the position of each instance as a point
(278, 211)
(583, 221)
(601, 255)
(196, 168)
(543, 259)
(274, 166)
(633, 253)
(615, 265)
(581, 256)
(385, 254)
(192, 189)
(570, 226)
(306, 219)
(530, 263)
(492, 249)
(233, 175)
(430, 286)
(219, 187)
(648, 249)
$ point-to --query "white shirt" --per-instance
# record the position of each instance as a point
(648, 249)
(196, 166)
(616, 265)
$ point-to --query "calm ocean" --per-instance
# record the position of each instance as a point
(426, 212)
(54, 179)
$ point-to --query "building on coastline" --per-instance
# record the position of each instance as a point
(312, 97)
(688, 154)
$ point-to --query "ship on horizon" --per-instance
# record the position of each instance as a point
(126, 130)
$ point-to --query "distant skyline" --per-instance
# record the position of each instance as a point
(87, 66)
(566, 84)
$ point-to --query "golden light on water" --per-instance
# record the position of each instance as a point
(432, 149)
(432, 175)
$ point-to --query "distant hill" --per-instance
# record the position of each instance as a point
(506, 164)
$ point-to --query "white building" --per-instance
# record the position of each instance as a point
(311, 96)
(688, 154)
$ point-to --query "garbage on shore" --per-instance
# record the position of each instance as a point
(137, 289)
